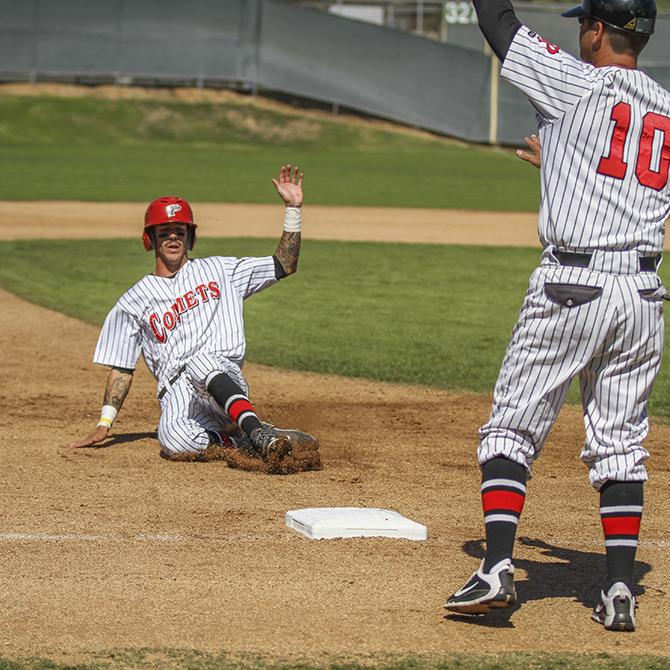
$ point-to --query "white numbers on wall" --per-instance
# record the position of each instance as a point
(459, 11)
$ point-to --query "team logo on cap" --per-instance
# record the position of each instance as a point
(171, 210)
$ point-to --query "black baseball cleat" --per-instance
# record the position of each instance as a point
(616, 609)
(270, 443)
(485, 590)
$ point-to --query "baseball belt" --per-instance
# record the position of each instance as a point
(171, 381)
(582, 260)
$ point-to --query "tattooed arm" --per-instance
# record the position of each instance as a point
(288, 251)
(289, 188)
(118, 385)
(116, 390)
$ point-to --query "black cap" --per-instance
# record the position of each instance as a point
(636, 16)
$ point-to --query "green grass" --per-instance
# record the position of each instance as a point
(192, 660)
(426, 314)
(104, 150)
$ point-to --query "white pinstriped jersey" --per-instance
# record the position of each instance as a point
(198, 311)
(605, 135)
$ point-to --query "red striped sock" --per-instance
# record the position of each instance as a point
(621, 513)
(242, 412)
(503, 496)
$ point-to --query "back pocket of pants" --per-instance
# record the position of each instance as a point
(571, 295)
(653, 294)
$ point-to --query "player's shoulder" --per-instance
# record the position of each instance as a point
(656, 91)
(137, 294)
(208, 260)
(530, 49)
(220, 263)
(141, 285)
(229, 265)
(638, 84)
(231, 261)
(530, 37)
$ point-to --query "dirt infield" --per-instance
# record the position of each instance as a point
(71, 220)
(115, 548)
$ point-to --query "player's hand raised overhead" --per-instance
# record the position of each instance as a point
(289, 185)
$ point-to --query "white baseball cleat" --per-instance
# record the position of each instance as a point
(616, 609)
(485, 590)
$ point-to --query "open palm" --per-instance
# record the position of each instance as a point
(289, 185)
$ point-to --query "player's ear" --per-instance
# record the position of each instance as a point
(599, 31)
(191, 238)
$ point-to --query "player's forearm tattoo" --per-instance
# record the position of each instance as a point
(118, 385)
(288, 251)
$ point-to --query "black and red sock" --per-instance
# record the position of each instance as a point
(234, 401)
(503, 496)
(621, 513)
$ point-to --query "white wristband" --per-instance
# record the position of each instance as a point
(292, 220)
(107, 416)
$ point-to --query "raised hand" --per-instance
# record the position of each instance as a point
(289, 185)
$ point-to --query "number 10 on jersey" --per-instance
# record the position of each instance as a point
(613, 164)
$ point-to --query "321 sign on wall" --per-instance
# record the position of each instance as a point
(459, 11)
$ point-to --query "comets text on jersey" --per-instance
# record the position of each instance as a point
(161, 324)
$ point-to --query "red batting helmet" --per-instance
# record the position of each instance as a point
(168, 209)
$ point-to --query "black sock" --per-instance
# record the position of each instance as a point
(620, 514)
(234, 401)
(503, 496)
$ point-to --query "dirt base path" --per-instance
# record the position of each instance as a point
(115, 548)
(71, 220)
(77, 220)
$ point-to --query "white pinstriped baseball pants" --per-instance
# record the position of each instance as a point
(612, 343)
(188, 411)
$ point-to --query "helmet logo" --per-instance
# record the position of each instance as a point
(171, 210)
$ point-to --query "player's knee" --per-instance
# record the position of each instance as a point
(214, 450)
(203, 368)
(183, 443)
(200, 368)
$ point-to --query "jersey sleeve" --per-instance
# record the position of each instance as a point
(251, 275)
(553, 80)
(119, 344)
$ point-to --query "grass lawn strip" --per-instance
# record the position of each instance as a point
(436, 315)
(193, 660)
(129, 150)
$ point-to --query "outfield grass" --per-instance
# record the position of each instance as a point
(180, 659)
(105, 150)
(427, 314)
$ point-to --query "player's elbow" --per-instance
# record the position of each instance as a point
(287, 266)
(291, 268)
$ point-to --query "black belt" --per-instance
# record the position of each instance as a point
(171, 381)
(582, 260)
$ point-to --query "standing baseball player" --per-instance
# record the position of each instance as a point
(593, 309)
(186, 319)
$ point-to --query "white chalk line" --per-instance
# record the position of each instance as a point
(230, 538)
(141, 537)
